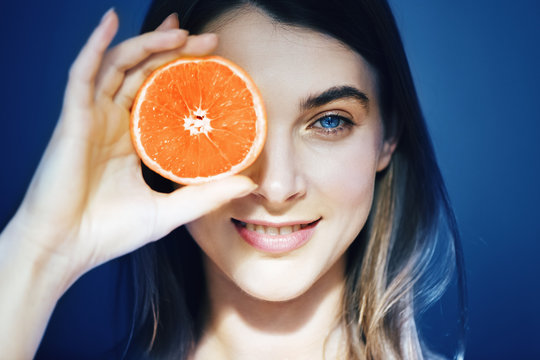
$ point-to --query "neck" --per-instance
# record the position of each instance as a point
(243, 327)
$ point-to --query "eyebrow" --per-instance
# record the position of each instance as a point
(333, 94)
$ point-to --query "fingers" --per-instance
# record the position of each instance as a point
(196, 45)
(170, 22)
(132, 52)
(80, 89)
(191, 202)
(112, 74)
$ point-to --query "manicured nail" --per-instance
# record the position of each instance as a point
(249, 190)
(177, 33)
(208, 37)
(167, 19)
(107, 15)
(174, 15)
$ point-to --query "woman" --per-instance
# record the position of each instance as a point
(347, 165)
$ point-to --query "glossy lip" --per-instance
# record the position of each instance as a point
(276, 244)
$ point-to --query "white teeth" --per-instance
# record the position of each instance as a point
(272, 231)
(284, 230)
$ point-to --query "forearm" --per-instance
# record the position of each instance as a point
(31, 282)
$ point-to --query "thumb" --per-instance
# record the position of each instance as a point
(193, 201)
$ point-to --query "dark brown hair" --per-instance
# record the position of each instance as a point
(402, 260)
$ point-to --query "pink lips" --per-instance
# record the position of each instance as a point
(279, 243)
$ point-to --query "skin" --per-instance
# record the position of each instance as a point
(90, 173)
(279, 306)
(87, 202)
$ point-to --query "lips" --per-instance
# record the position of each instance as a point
(275, 238)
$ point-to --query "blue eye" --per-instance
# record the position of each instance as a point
(332, 126)
(330, 121)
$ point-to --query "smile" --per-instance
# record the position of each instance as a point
(275, 238)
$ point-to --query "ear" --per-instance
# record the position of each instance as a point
(388, 147)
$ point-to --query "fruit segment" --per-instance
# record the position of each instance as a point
(198, 119)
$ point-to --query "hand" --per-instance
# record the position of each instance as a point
(88, 202)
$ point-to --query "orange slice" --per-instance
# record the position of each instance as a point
(198, 119)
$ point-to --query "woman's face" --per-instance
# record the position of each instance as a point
(317, 170)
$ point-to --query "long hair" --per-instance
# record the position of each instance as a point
(409, 249)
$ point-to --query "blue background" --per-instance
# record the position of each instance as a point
(475, 64)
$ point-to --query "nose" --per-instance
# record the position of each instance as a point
(278, 171)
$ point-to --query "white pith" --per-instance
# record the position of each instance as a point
(197, 122)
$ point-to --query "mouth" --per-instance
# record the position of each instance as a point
(276, 238)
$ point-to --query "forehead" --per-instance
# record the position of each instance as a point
(282, 56)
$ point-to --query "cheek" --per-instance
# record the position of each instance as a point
(217, 238)
(343, 181)
(344, 175)
(209, 232)
(199, 231)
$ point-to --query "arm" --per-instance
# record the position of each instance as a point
(68, 222)
(31, 282)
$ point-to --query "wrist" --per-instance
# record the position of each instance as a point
(28, 258)
(31, 282)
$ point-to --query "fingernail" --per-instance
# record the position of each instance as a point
(173, 15)
(180, 31)
(177, 32)
(208, 36)
(106, 15)
(249, 189)
(169, 18)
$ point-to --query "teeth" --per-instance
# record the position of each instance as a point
(285, 230)
(269, 230)
(272, 231)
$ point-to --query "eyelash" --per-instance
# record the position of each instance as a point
(344, 125)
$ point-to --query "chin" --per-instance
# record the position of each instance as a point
(274, 292)
(235, 267)
(275, 280)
